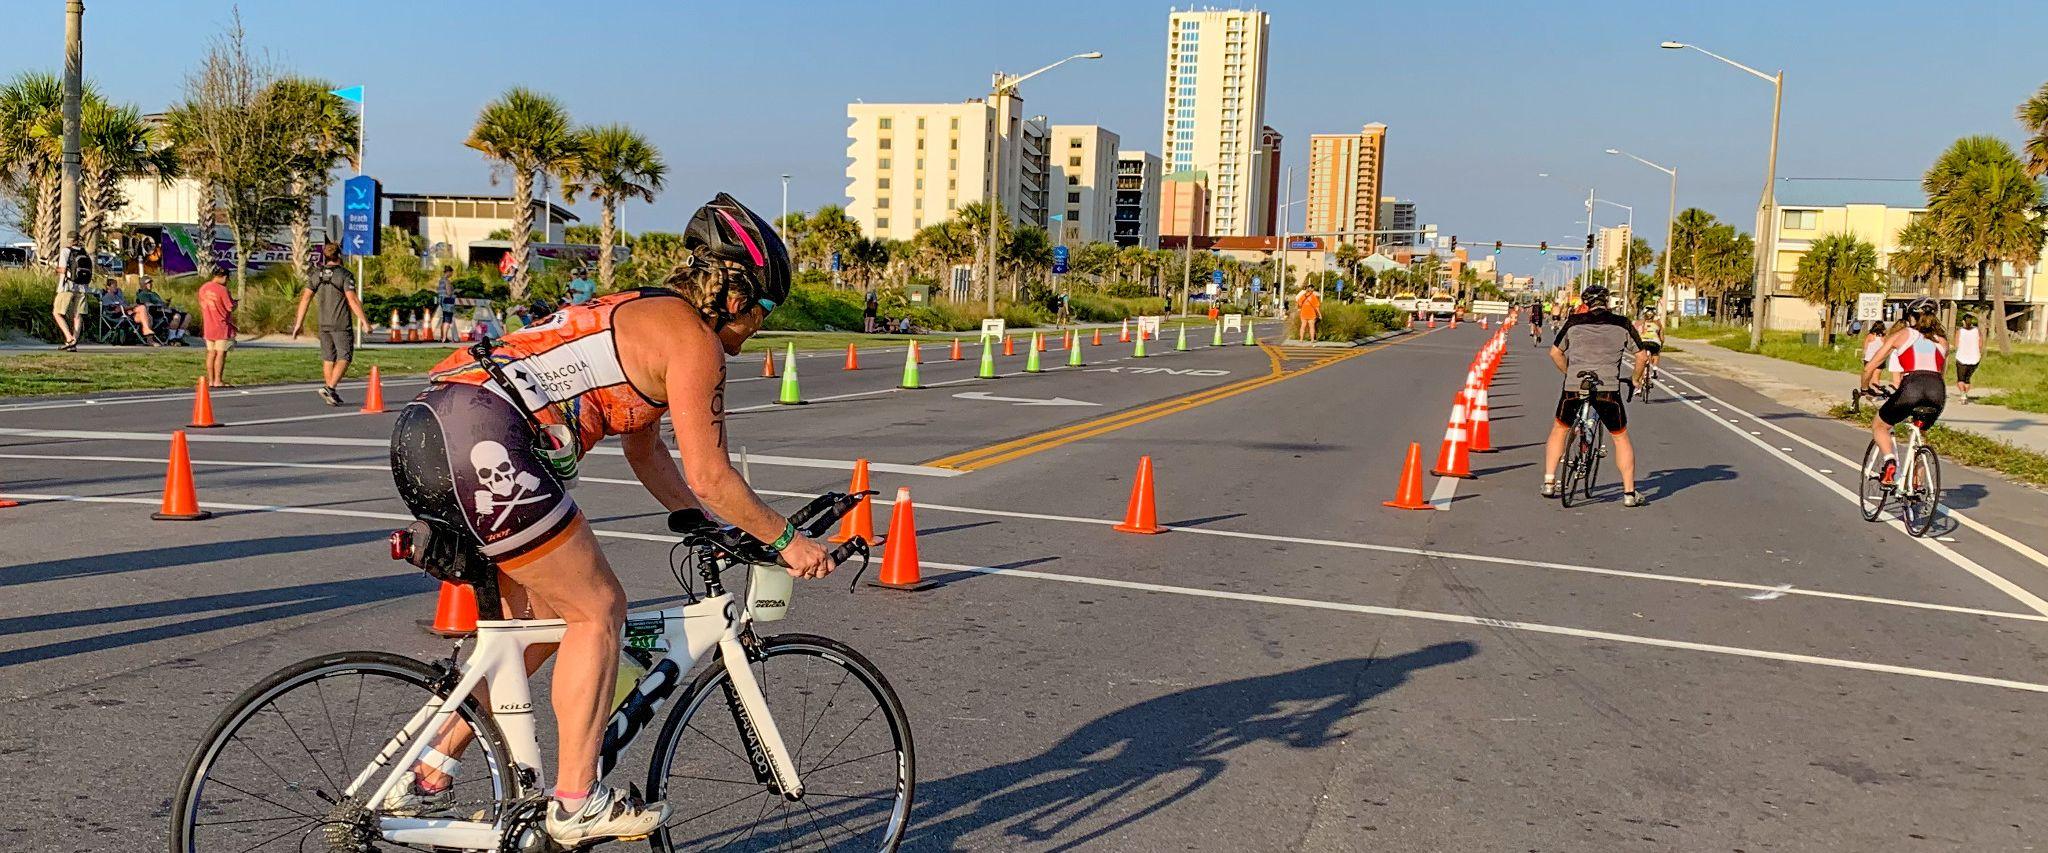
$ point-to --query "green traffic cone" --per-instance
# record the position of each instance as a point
(1031, 358)
(910, 367)
(988, 361)
(1249, 339)
(1181, 344)
(1074, 352)
(1217, 341)
(789, 396)
(1140, 351)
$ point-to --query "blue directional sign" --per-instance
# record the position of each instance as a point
(1216, 276)
(1302, 244)
(1059, 260)
(1567, 257)
(1257, 285)
(1340, 287)
(835, 262)
(360, 197)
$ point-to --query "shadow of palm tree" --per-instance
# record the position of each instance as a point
(1124, 767)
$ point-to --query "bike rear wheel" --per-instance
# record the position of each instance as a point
(1921, 497)
(845, 730)
(1595, 447)
(1870, 491)
(1575, 458)
(270, 773)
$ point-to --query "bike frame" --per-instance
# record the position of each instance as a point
(498, 662)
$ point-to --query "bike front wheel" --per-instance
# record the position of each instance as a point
(1922, 496)
(1575, 461)
(845, 731)
(1870, 491)
(273, 771)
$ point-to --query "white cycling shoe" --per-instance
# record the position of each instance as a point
(609, 814)
(407, 800)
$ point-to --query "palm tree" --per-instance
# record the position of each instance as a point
(829, 231)
(31, 149)
(1920, 255)
(2033, 116)
(791, 228)
(866, 258)
(1832, 272)
(1690, 244)
(115, 145)
(1983, 206)
(614, 165)
(529, 135)
(325, 134)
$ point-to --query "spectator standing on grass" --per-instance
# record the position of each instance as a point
(867, 313)
(69, 305)
(1969, 351)
(150, 309)
(581, 288)
(444, 322)
(217, 315)
(336, 289)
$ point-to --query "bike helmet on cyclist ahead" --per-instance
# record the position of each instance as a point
(1593, 295)
(1922, 305)
(725, 230)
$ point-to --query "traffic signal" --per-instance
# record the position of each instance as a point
(1543, 247)
(1496, 247)
(1454, 242)
(1589, 242)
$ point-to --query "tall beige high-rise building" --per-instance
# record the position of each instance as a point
(1613, 243)
(1215, 108)
(913, 165)
(1082, 160)
(1344, 171)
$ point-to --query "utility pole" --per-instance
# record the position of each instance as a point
(74, 87)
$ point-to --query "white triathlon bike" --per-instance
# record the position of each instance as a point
(309, 758)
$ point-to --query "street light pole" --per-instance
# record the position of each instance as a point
(784, 221)
(1002, 86)
(74, 87)
(1670, 300)
(1766, 252)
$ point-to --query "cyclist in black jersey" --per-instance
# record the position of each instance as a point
(1605, 343)
(1536, 323)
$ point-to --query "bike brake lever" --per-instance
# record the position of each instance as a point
(845, 552)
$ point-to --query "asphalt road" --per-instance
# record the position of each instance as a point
(1743, 664)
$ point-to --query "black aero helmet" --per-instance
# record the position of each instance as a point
(1922, 305)
(725, 230)
(1593, 294)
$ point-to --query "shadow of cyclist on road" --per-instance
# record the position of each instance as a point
(1123, 767)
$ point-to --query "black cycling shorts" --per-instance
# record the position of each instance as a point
(1965, 371)
(462, 455)
(1606, 406)
(1653, 347)
(1917, 389)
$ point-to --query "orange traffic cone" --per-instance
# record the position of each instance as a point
(1070, 340)
(1432, 321)
(852, 358)
(1482, 426)
(373, 395)
(899, 559)
(916, 352)
(956, 349)
(768, 364)
(1142, 516)
(1452, 459)
(1124, 337)
(1038, 342)
(5, 503)
(1409, 495)
(202, 407)
(1009, 345)
(181, 503)
(861, 521)
(454, 611)
(1098, 338)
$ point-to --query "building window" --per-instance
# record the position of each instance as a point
(952, 184)
(954, 145)
(920, 123)
(883, 163)
(882, 203)
(885, 143)
(1073, 180)
(1073, 162)
(1073, 198)
(952, 165)
(920, 183)
(881, 223)
(920, 164)
(1802, 220)
(881, 183)
(955, 123)
(1074, 142)
(885, 123)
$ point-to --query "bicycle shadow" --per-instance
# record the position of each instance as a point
(1671, 481)
(1126, 766)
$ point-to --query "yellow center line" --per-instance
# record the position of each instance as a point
(1004, 451)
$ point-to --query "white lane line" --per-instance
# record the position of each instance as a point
(2022, 548)
(298, 418)
(766, 406)
(1446, 490)
(186, 395)
(203, 436)
(2018, 593)
(1781, 589)
(1225, 595)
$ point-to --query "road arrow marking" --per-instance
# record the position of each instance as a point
(1022, 401)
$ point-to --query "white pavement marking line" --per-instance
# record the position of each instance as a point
(1225, 595)
(297, 418)
(218, 393)
(200, 436)
(1771, 594)
(2018, 593)
(766, 406)
(1445, 492)
(1779, 589)
(1021, 401)
(2022, 548)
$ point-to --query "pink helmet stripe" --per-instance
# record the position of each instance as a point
(744, 238)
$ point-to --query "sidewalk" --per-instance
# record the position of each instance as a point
(1816, 389)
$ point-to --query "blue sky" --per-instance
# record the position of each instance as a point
(1478, 100)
